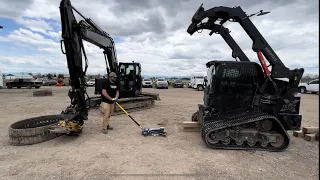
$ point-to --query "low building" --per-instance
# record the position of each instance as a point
(20, 76)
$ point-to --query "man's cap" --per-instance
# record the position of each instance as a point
(112, 74)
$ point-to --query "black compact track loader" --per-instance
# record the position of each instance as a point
(246, 105)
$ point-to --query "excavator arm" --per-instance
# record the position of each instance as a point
(73, 33)
(260, 45)
(225, 33)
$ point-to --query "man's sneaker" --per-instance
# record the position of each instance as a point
(104, 131)
(109, 127)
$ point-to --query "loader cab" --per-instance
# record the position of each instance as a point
(129, 79)
(230, 85)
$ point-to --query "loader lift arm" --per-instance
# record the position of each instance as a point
(73, 33)
(225, 33)
(260, 45)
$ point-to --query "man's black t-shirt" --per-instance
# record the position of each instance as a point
(111, 89)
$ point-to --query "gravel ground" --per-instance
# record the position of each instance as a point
(125, 154)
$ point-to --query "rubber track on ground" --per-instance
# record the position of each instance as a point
(223, 124)
(44, 92)
(33, 130)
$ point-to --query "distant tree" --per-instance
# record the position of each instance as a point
(61, 76)
(49, 76)
(309, 77)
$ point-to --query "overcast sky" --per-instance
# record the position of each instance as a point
(153, 32)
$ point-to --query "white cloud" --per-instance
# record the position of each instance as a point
(36, 25)
(154, 34)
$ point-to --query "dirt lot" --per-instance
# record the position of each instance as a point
(125, 154)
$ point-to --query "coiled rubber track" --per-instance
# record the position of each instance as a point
(33, 130)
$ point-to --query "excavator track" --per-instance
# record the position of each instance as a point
(129, 104)
(256, 131)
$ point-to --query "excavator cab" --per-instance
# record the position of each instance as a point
(130, 80)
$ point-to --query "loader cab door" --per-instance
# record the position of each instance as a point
(234, 85)
(208, 90)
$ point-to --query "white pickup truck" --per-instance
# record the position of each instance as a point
(197, 81)
(311, 86)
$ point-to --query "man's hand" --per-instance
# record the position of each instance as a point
(114, 99)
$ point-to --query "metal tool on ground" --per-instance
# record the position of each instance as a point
(145, 131)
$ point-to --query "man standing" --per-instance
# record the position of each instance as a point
(110, 94)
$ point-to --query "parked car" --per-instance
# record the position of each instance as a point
(28, 83)
(48, 82)
(91, 82)
(146, 83)
(311, 86)
(177, 83)
(161, 83)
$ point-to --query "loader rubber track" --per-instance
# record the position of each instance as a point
(33, 130)
(226, 125)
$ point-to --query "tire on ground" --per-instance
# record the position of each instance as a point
(194, 117)
(44, 92)
(33, 130)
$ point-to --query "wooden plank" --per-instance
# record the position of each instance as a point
(308, 130)
(190, 124)
(310, 137)
(192, 129)
(298, 133)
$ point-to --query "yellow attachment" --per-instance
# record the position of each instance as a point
(62, 123)
(72, 125)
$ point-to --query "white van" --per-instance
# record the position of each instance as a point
(197, 81)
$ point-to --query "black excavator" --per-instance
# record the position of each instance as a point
(247, 106)
(129, 74)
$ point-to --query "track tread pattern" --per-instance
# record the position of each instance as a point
(33, 130)
(239, 120)
(140, 103)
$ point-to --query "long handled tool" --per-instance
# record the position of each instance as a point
(146, 131)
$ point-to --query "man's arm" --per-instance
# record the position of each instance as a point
(105, 94)
(117, 94)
